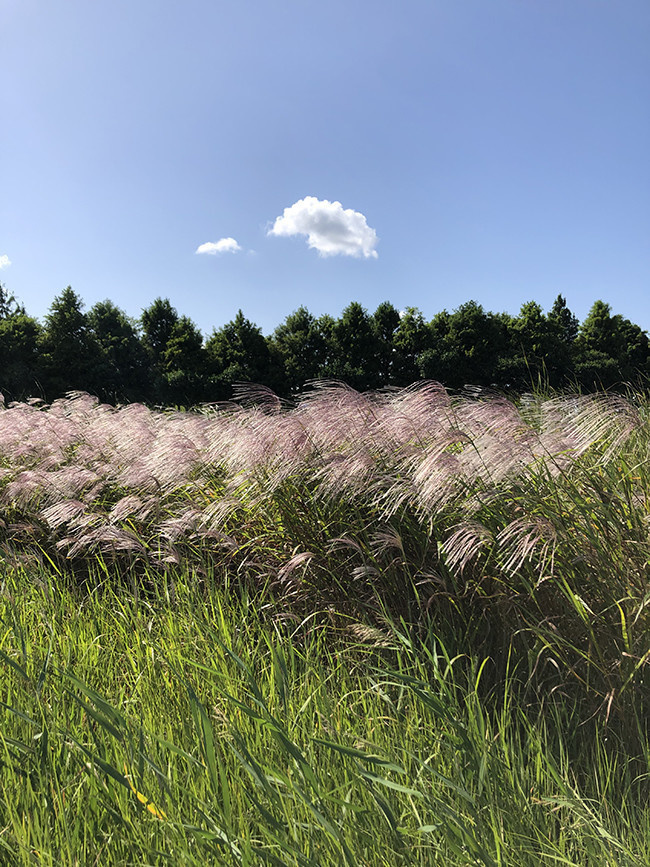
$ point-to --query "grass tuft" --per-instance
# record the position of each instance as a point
(396, 628)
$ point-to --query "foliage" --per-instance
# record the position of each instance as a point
(467, 346)
(354, 357)
(164, 360)
(301, 349)
(158, 321)
(183, 364)
(412, 340)
(123, 364)
(612, 349)
(19, 336)
(402, 627)
(385, 323)
(69, 355)
(195, 726)
(9, 305)
(237, 352)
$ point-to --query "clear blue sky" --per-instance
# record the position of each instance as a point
(495, 150)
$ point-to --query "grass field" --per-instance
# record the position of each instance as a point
(399, 628)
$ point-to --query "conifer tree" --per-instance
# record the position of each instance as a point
(69, 353)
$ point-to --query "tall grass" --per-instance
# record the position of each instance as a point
(197, 732)
(390, 628)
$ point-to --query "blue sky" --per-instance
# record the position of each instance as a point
(494, 150)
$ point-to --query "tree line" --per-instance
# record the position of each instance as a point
(162, 358)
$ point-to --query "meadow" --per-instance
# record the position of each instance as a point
(403, 627)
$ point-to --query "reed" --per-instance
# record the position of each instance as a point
(404, 627)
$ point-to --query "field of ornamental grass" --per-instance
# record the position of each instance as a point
(405, 627)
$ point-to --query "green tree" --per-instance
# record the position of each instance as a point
(412, 339)
(9, 306)
(326, 326)
(563, 321)
(69, 353)
(610, 350)
(184, 364)
(530, 345)
(355, 349)
(300, 347)
(157, 322)
(385, 322)
(123, 368)
(237, 352)
(19, 337)
(466, 347)
(564, 327)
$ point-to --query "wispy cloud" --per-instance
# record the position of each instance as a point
(330, 229)
(4, 262)
(215, 248)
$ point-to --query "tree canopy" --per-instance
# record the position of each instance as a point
(162, 358)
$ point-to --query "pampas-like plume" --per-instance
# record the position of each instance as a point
(105, 539)
(415, 452)
(464, 544)
(524, 538)
(63, 513)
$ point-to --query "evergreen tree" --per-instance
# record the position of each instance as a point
(69, 353)
(19, 336)
(184, 365)
(385, 322)
(355, 349)
(237, 352)
(9, 306)
(610, 350)
(564, 323)
(123, 368)
(158, 321)
(467, 346)
(412, 339)
(564, 329)
(326, 326)
(300, 347)
(530, 345)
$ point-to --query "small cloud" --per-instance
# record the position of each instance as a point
(4, 262)
(330, 229)
(224, 245)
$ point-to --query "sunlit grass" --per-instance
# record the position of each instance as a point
(197, 731)
(398, 629)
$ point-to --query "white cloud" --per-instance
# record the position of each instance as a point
(4, 262)
(224, 245)
(330, 229)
